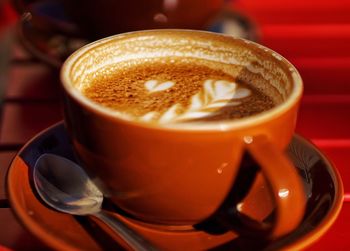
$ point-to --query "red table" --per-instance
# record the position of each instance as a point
(313, 35)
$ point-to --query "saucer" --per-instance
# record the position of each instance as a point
(65, 232)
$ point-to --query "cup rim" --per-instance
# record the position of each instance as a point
(221, 125)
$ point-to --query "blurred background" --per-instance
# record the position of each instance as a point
(37, 35)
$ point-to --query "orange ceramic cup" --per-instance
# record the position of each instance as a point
(180, 173)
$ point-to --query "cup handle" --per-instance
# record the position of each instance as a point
(286, 188)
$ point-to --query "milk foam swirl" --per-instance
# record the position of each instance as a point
(155, 86)
(214, 95)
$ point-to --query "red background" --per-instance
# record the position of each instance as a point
(313, 35)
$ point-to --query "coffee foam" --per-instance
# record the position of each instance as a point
(173, 45)
(250, 63)
(172, 90)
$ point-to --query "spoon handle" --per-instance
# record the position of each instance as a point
(133, 239)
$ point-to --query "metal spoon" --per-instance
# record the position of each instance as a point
(65, 186)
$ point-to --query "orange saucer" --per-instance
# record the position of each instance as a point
(65, 232)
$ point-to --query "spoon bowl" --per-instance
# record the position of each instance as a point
(64, 186)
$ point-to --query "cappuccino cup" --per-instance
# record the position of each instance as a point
(160, 120)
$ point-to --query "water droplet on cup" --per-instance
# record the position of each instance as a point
(220, 170)
(283, 193)
(248, 139)
(239, 207)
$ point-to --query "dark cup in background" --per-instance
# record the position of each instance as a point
(106, 17)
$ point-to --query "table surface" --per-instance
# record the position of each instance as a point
(314, 37)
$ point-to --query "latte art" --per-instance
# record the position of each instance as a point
(214, 95)
(155, 86)
(176, 91)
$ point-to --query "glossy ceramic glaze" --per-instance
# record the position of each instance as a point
(180, 173)
(65, 232)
